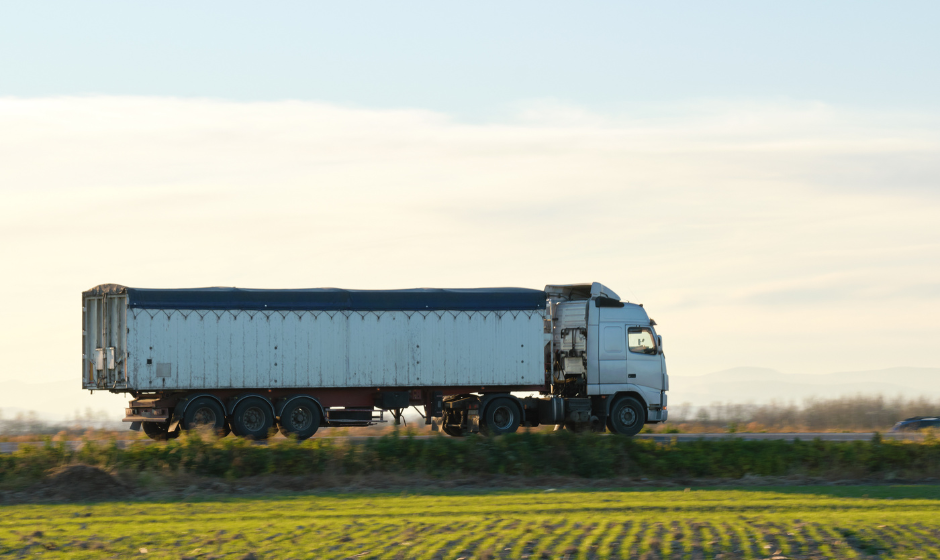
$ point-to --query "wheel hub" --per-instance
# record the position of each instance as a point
(627, 416)
(502, 418)
(301, 418)
(204, 417)
(253, 419)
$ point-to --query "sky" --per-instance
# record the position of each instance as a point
(764, 177)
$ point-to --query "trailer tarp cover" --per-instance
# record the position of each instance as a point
(331, 299)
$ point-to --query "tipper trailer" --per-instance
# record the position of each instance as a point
(248, 361)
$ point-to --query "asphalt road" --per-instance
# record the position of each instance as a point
(9, 447)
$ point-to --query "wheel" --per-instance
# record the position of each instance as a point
(502, 416)
(448, 424)
(158, 431)
(300, 419)
(252, 418)
(204, 412)
(577, 427)
(626, 417)
(453, 431)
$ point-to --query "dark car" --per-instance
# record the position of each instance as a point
(917, 423)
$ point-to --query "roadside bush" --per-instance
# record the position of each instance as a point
(526, 454)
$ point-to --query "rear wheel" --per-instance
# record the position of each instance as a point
(577, 427)
(158, 431)
(300, 419)
(205, 413)
(453, 431)
(502, 416)
(252, 418)
(626, 417)
(451, 423)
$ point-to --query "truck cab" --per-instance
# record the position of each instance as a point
(606, 350)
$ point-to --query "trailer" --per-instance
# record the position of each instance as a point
(483, 360)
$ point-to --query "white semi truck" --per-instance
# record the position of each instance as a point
(249, 361)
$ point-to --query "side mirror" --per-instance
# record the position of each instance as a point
(659, 342)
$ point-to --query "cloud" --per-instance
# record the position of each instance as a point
(740, 217)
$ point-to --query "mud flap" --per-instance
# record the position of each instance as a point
(135, 426)
(473, 421)
(435, 426)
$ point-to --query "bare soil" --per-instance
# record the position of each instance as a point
(80, 483)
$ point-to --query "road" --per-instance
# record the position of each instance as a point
(9, 447)
(807, 436)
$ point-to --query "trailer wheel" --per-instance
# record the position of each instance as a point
(626, 417)
(502, 416)
(300, 418)
(157, 431)
(252, 418)
(204, 412)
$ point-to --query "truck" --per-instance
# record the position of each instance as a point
(483, 360)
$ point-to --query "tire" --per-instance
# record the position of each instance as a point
(204, 413)
(252, 418)
(448, 424)
(577, 427)
(626, 417)
(300, 419)
(453, 431)
(157, 431)
(501, 416)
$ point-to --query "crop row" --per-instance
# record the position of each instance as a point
(783, 523)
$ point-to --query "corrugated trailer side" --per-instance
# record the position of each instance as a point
(180, 349)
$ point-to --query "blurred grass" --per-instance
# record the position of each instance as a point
(526, 454)
(831, 522)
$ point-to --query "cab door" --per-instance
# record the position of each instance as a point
(644, 365)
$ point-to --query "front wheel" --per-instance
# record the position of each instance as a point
(626, 417)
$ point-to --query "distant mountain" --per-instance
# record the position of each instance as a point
(762, 385)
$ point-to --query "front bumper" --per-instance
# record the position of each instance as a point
(657, 415)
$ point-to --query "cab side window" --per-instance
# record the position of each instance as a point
(641, 340)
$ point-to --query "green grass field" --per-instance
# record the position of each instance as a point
(792, 522)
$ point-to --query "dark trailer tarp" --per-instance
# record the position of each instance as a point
(330, 299)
